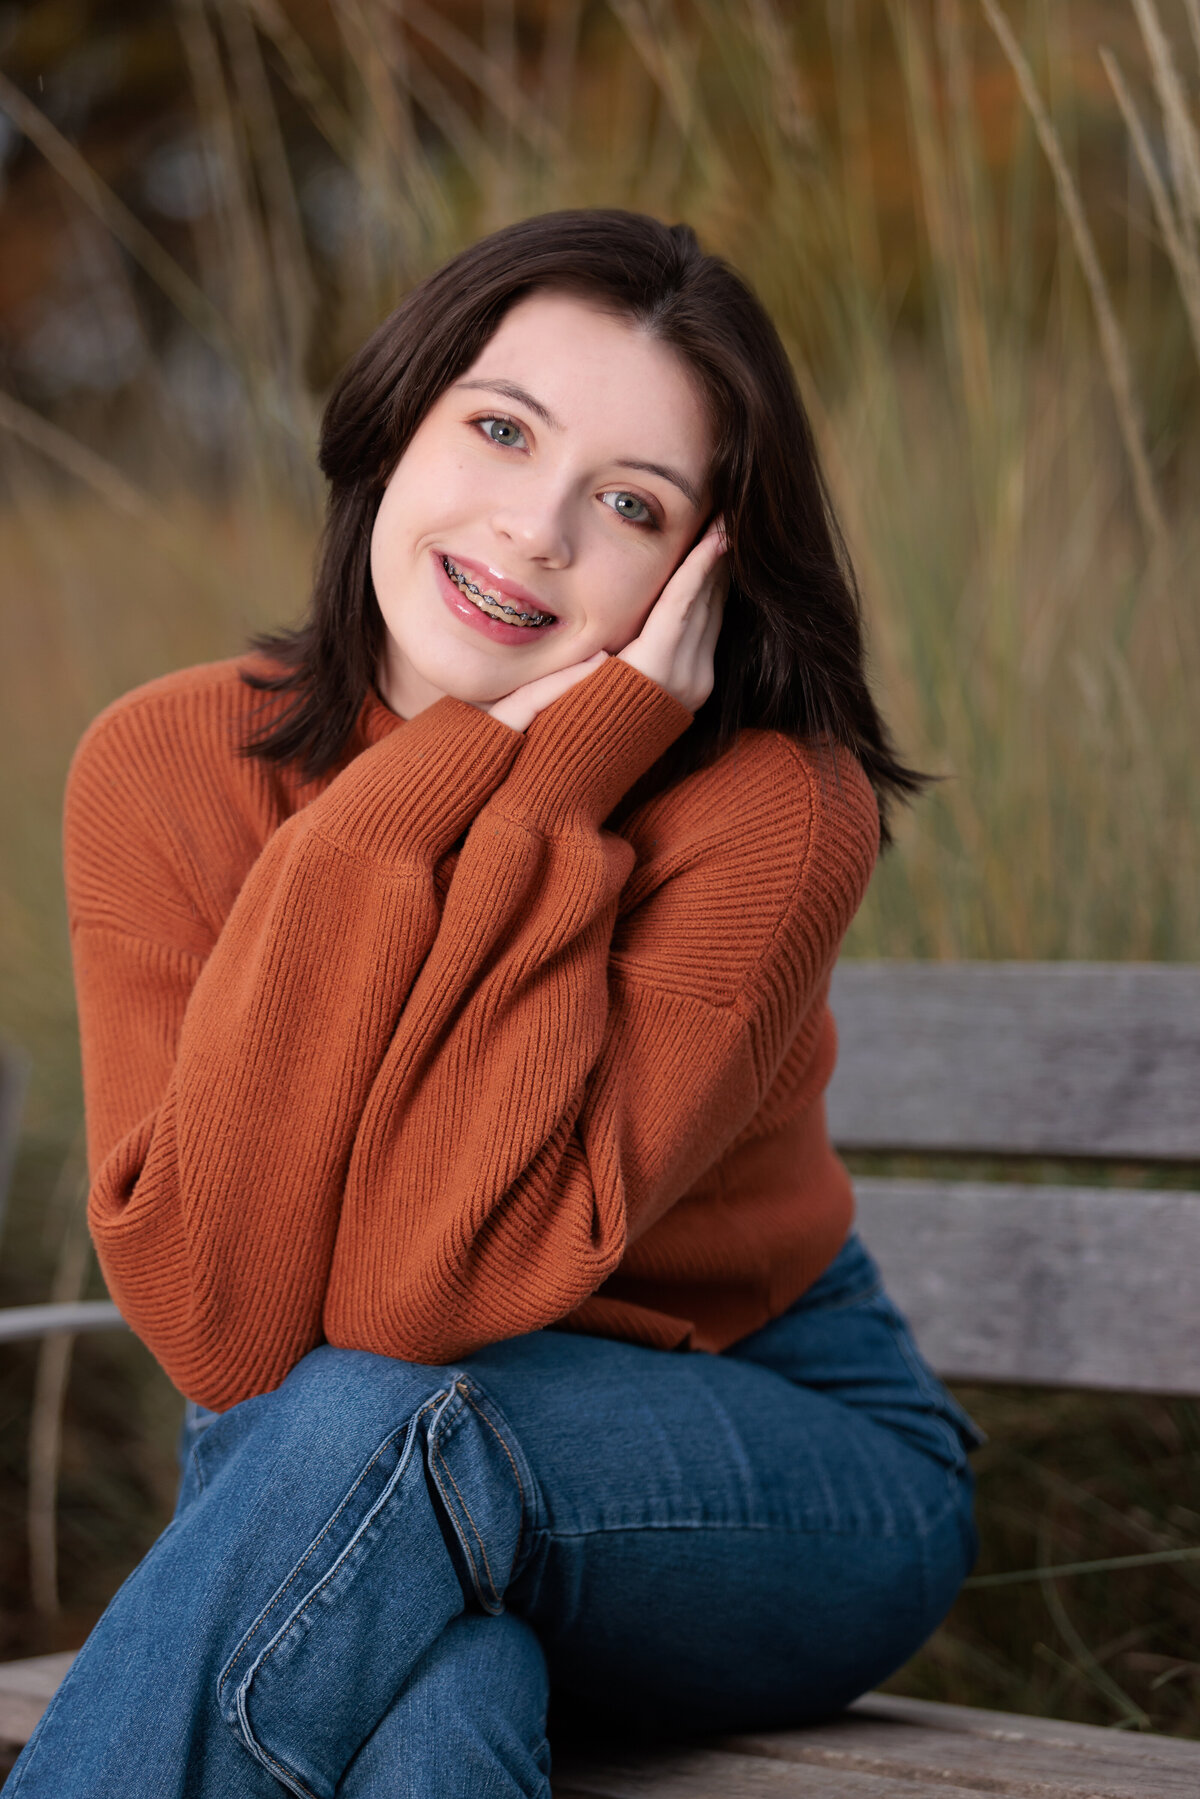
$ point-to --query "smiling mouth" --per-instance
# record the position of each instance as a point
(492, 604)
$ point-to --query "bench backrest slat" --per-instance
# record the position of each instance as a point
(1042, 1058)
(1067, 1286)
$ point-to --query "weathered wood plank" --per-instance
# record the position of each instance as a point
(1045, 1058)
(26, 1689)
(710, 1774)
(935, 1747)
(884, 1747)
(1067, 1286)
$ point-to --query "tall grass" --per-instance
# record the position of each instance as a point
(995, 335)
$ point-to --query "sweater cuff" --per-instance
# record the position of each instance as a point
(418, 789)
(586, 750)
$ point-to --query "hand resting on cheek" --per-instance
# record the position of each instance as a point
(674, 647)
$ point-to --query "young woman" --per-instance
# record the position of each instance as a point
(452, 977)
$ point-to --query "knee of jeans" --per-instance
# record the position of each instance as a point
(332, 1404)
(472, 1718)
(949, 1552)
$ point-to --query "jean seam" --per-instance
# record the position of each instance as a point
(512, 1462)
(487, 1566)
(197, 1468)
(240, 1651)
(449, 1505)
(409, 1430)
(825, 1528)
(287, 1776)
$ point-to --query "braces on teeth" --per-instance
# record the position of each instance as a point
(489, 599)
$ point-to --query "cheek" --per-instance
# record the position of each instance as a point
(625, 594)
(421, 492)
(385, 536)
(403, 510)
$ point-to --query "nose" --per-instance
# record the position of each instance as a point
(537, 526)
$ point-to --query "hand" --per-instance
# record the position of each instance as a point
(520, 707)
(676, 644)
(674, 648)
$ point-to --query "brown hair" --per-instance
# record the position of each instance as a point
(790, 654)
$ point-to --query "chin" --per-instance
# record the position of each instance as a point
(479, 685)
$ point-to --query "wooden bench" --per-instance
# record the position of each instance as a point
(1070, 1286)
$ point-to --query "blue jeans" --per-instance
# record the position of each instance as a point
(376, 1574)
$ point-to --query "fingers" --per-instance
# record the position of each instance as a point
(520, 707)
(692, 582)
(705, 604)
(560, 679)
(704, 557)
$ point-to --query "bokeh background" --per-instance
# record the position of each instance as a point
(979, 231)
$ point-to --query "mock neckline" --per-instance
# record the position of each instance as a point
(377, 720)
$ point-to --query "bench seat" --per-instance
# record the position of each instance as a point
(882, 1748)
(887, 1748)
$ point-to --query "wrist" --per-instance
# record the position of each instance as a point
(583, 752)
(512, 711)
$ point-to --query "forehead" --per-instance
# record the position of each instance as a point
(611, 386)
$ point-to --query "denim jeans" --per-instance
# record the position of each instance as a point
(377, 1575)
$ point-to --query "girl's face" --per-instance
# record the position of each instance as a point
(540, 507)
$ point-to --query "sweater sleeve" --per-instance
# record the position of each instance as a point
(577, 1049)
(225, 1075)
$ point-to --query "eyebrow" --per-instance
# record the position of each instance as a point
(521, 395)
(668, 474)
(513, 391)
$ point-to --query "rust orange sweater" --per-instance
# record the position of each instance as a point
(421, 1056)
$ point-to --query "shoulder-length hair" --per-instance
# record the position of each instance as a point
(790, 654)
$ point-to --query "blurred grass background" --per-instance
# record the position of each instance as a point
(978, 231)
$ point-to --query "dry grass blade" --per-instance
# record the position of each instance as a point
(791, 114)
(1183, 142)
(1155, 1558)
(1112, 346)
(389, 59)
(241, 269)
(50, 1391)
(859, 204)
(1192, 9)
(68, 453)
(142, 245)
(471, 145)
(1184, 259)
(671, 61)
(488, 75)
(945, 187)
(296, 295)
(398, 194)
(1085, 1660)
(102, 477)
(305, 79)
(560, 61)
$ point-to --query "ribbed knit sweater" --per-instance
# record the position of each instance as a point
(420, 1056)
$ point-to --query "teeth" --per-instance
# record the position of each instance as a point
(492, 601)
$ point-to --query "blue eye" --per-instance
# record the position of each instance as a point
(503, 432)
(627, 505)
